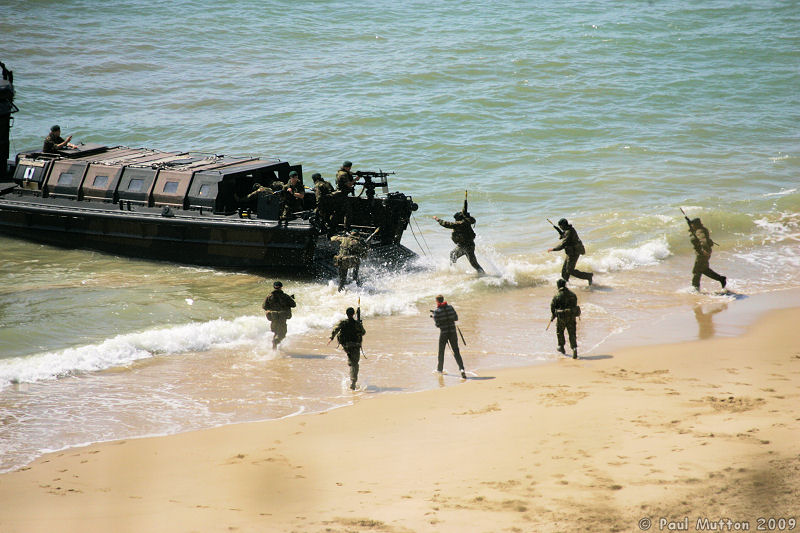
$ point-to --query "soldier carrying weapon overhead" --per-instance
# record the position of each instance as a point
(702, 243)
(463, 236)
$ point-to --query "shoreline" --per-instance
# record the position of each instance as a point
(693, 428)
(677, 326)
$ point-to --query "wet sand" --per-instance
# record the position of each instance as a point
(696, 430)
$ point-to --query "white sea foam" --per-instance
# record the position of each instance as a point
(125, 349)
(615, 259)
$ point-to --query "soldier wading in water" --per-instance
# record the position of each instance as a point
(278, 306)
(463, 236)
(701, 240)
(564, 307)
(349, 333)
(573, 247)
(351, 250)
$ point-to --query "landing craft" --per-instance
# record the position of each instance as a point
(185, 207)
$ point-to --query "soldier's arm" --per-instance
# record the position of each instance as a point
(446, 224)
(455, 315)
(336, 330)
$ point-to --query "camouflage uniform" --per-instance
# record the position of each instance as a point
(701, 240)
(325, 211)
(349, 333)
(564, 308)
(464, 238)
(291, 204)
(573, 247)
(278, 306)
(343, 203)
(351, 250)
(51, 142)
(258, 189)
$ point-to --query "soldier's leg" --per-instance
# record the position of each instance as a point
(455, 254)
(348, 212)
(280, 331)
(560, 334)
(355, 273)
(700, 266)
(353, 357)
(473, 260)
(713, 275)
(571, 263)
(452, 337)
(572, 331)
(442, 344)
(342, 276)
(566, 269)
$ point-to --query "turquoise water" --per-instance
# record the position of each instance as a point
(611, 114)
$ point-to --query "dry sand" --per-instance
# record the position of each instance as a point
(707, 429)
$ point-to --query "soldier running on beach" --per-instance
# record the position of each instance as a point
(701, 240)
(445, 318)
(564, 307)
(573, 247)
(278, 306)
(349, 333)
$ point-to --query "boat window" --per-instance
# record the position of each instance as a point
(135, 185)
(204, 190)
(171, 187)
(65, 178)
(100, 182)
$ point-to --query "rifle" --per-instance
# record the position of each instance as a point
(462, 335)
(549, 323)
(687, 218)
(371, 236)
(358, 318)
(559, 230)
(466, 205)
(690, 226)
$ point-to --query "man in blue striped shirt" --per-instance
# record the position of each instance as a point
(445, 318)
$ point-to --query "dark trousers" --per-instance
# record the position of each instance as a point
(568, 269)
(353, 352)
(278, 328)
(449, 336)
(343, 274)
(701, 268)
(469, 251)
(569, 324)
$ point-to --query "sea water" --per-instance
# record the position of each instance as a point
(611, 114)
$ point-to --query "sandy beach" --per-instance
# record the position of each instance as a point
(704, 430)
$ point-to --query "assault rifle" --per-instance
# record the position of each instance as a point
(358, 319)
(370, 238)
(690, 226)
(687, 218)
(368, 183)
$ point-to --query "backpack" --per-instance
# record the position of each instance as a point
(348, 333)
